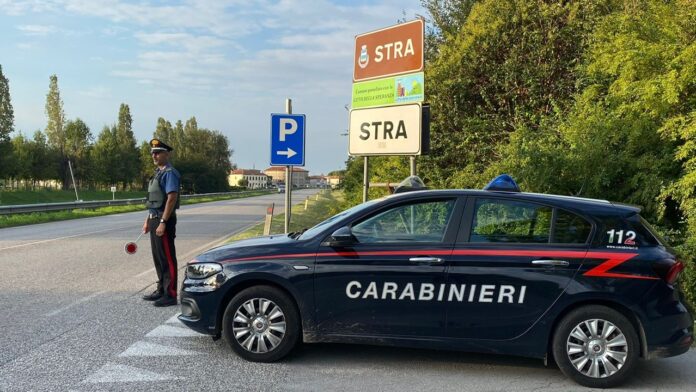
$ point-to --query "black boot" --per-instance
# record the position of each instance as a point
(154, 296)
(165, 301)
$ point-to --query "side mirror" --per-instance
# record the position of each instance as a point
(341, 237)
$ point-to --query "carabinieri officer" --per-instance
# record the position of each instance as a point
(162, 202)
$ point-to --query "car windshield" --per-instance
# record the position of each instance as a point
(310, 233)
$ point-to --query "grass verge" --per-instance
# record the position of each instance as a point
(52, 216)
(60, 196)
(317, 210)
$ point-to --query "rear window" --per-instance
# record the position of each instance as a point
(571, 229)
(633, 231)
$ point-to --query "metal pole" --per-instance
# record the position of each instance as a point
(77, 198)
(366, 180)
(413, 166)
(288, 179)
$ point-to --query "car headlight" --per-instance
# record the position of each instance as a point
(202, 270)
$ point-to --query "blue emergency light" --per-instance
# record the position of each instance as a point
(503, 183)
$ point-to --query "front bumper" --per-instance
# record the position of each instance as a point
(199, 311)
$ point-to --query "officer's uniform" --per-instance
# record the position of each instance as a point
(163, 182)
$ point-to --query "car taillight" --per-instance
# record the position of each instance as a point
(674, 272)
(669, 271)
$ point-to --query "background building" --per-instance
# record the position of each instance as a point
(255, 179)
(300, 177)
(333, 181)
(317, 181)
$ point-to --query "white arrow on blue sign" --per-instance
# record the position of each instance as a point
(287, 139)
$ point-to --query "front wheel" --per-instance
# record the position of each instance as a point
(596, 346)
(261, 324)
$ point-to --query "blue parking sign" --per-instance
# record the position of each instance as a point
(287, 139)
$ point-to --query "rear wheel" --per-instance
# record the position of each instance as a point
(261, 324)
(596, 346)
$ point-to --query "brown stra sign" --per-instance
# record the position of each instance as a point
(391, 51)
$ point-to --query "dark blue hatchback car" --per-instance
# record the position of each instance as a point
(585, 282)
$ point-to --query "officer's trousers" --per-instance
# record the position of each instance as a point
(164, 256)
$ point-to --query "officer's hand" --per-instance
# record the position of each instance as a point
(145, 228)
(160, 230)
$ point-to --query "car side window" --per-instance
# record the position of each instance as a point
(509, 221)
(417, 222)
(570, 228)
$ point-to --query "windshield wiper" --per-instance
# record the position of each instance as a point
(296, 234)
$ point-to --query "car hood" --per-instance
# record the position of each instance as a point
(253, 247)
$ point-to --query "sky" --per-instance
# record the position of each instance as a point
(229, 63)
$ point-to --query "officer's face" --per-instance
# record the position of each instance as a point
(160, 157)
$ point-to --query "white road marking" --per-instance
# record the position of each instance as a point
(174, 320)
(147, 349)
(63, 238)
(79, 301)
(145, 272)
(168, 331)
(122, 373)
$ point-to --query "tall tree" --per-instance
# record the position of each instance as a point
(55, 129)
(163, 130)
(6, 123)
(128, 153)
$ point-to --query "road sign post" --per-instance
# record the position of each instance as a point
(288, 148)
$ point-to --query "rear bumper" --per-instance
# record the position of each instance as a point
(667, 322)
(682, 341)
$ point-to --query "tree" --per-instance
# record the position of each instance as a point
(44, 162)
(202, 156)
(163, 131)
(6, 123)
(55, 130)
(78, 142)
(128, 152)
(21, 159)
(105, 156)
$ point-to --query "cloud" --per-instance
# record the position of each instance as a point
(37, 30)
(196, 43)
(97, 92)
(20, 7)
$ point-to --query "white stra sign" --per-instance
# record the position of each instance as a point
(394, 130)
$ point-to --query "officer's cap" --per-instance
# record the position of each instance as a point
(158, 145)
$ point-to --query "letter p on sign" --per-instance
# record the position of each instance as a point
(288, 126)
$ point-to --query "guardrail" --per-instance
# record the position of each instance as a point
(27, 208)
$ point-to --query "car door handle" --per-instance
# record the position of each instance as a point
(432, 260)
(554, 263)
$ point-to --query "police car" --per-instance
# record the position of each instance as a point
(585, 282)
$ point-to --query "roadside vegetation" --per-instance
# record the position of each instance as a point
(592, 98)
(43, 217)
(328, 204)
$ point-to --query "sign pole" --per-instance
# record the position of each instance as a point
(288, 179)
(366, 180)
(413, 165)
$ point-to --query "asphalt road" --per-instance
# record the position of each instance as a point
(72, 319)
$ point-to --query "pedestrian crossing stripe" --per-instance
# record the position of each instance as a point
(166, 331)
(148, 349)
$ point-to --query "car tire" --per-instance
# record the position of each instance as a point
(596, 346)
(261, 324)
